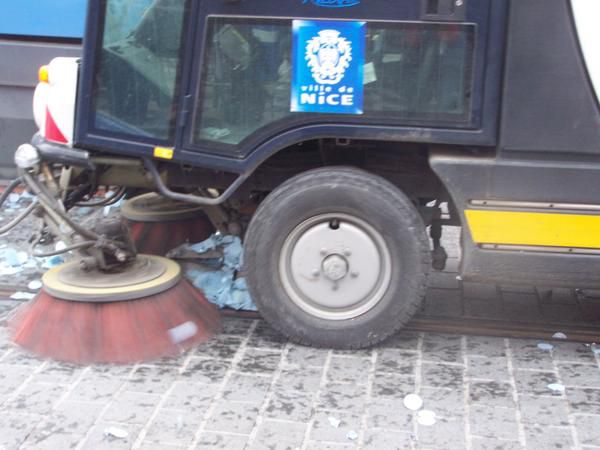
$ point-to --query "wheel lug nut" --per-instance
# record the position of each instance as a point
(347, 252)
(354, 274)
(323, 251)
(335, 287)
(316, 273)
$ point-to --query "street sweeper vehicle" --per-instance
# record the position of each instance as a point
(337, 138)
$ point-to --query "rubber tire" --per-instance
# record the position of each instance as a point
(338, 190)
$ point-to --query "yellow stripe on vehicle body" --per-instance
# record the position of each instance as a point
(534, 228)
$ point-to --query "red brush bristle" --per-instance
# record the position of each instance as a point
(115, 332)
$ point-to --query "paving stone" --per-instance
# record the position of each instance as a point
(233, 417)
(478, 443)
(248, 388)
(490, 347)
(236, 326)
(389, 414)
(36, 398)
(211, 441)
(11, 377)
(387, 439)
(290, 405)
(265, 336)
(534, 382)
(318, 445)
(487, 368)
(189, 396)
(493, 422)
(443, 303)
(161, 446)
(588, 429)
(259, 361)
(131, 407)
(584, 400)
(305, 379)
(72, 418)
(322, 430)
(19, 358)
(280, 435)
(442, 348)
(58, 373)
(15, 427)
(173, 361)
(393, 386)
(405, 340)
(173, 426)
(544, 437)
(343, 397)
(94, 388)
(527, 355)
(544, 410)
(491, 393)
(587, 375)
(396, 361)
(442, 375)
(364, 353)
(206, 370)
(572, 352)
(349, 370)
(111, 370)
(152, 380)
(446, 402)
(98, 439)
(306, 356)
(52, 441)
(222, 346)
(444, 434)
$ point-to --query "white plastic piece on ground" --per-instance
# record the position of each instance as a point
(62, 94)
(34, 285)
(426, 418)
(556, 387)
(60, 245)
(334, 421)
(182, 332)
(559, 335)
(352, 435)
(545, 346)
(413, 402)
(115, 432)
(22, 296)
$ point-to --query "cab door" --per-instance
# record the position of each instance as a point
(266, 74)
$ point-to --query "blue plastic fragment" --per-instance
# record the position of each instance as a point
(217, 280)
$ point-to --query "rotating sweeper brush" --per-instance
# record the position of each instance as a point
(108, 304)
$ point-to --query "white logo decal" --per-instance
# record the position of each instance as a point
(328, 56)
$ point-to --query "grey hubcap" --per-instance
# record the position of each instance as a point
(335, 266)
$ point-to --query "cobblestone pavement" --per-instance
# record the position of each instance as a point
(249, 388)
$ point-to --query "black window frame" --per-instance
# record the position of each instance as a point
(489, 16)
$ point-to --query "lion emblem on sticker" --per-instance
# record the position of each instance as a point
(328, 56)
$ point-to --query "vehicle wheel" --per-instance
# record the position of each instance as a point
(337, 257)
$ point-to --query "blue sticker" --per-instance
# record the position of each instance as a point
(328, 59)
(334, 3)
